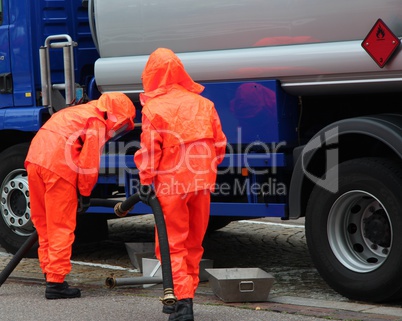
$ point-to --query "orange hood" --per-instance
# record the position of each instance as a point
(120, 112)
(163, 70)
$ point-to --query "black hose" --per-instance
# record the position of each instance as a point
(122, 209)
(30, 241)
(103, 202)
(164, 249)
(130, 202)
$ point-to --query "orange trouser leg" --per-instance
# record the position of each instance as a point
(53, 210)
(199, 207)
(186, 218)
(38, 213)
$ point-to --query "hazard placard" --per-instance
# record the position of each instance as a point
(380, 43)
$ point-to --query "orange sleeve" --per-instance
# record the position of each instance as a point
(147, 158)
(89, 158)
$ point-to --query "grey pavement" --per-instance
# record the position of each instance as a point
(22, 298)
(24, 301)
(291, 298)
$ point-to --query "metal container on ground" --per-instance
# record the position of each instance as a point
(240, 284)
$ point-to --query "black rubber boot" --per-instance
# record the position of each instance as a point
(168, 309)
(183, 311)
(61, 291)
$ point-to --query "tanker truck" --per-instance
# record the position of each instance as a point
(308, 93)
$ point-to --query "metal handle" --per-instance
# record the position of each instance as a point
(244, 286)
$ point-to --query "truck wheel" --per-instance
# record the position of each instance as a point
(15, 221)
(354, 235)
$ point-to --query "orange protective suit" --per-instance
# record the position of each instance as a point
(64, 159)
(181, 145)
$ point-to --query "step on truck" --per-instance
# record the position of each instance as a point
(308, 92)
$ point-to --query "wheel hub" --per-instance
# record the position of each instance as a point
(359, 231)
(377, 229)
(15, 204)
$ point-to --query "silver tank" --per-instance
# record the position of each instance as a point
(311, 46)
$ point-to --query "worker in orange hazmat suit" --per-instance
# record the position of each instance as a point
(182, 143)
(63, 162)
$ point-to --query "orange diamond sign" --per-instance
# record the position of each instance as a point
(380, 43)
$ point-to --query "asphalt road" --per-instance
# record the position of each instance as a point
(23, 302)
(277, 247)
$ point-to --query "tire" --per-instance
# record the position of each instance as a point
(354, 235)
(15, 220)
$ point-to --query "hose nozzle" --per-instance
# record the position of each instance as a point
(118, 211)
(169, 297)
(110, 282)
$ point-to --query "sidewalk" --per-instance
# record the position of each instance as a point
(91, 278)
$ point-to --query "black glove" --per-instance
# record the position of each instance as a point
(146, 193)
(83, 203)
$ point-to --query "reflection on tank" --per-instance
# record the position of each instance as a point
(254, 106)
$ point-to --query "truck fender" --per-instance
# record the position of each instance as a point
(385, 128)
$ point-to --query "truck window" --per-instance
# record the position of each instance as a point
(1, 12)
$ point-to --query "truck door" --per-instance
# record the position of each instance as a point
(6, 97)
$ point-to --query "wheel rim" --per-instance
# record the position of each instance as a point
(359, 231)
(15, 204)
